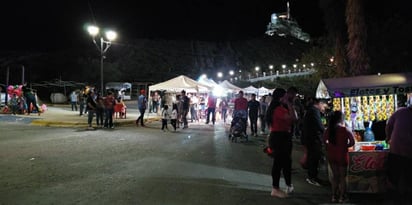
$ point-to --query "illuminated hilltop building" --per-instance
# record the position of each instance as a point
(283, 25)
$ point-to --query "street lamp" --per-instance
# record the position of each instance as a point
(219, 74)
(257, 71)
(271, 69)
(102, 47)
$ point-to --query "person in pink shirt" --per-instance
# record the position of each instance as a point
(240, 102)
(280, 117)
(240, 109)
(211, 108)
(337, 140)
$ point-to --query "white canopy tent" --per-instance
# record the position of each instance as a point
(229, 86)
(180, 83)
(208, 82)
(250, 90)
(263, 91)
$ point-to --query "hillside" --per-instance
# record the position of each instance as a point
(154, 60)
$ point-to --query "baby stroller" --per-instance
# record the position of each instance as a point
(238, 127)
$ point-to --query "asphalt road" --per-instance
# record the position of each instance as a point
(136, 165)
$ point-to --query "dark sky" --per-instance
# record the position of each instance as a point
(49, 25)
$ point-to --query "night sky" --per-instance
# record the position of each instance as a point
(52, 25)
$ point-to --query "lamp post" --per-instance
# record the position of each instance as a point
(231, 73)
(102, 47)
(219, 75)
(257, 71)
(271, 69)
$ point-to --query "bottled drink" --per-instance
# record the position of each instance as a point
(369, 136)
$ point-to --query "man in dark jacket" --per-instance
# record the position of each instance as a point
(312, 139)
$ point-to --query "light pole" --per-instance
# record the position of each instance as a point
(102, 47)
(231, 73)
(257, 71)
(284, 68)
(271, 69)
(219, 75)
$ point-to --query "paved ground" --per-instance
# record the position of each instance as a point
(61, 115)
(61, 162)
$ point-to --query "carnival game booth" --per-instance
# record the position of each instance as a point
(367, 102)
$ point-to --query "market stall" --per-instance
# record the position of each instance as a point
(367, 102)
(175, 85)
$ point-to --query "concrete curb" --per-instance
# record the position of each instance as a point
(66, 124)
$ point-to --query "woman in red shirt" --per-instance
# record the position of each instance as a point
(337, 139)
(281, 116)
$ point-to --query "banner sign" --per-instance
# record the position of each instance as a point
(366, 172)
(379, 91)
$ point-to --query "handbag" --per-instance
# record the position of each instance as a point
(268, 151)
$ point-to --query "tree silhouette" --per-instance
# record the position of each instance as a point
(357, 34)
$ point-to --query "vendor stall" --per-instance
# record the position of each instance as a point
(367, 102)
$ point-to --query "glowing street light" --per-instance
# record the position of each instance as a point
(271, 69)
(231, 72)
(219, 74)
(257, 71)
(102, 46)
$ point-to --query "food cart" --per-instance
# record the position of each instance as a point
(367, 101)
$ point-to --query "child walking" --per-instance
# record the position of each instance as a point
(165, 117)
(337, 139)
(173, 118)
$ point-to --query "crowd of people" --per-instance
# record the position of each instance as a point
(94, 105)
(23, 100)
(280, 116)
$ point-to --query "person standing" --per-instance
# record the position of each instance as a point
(109, 103)
(254, 110)
(173, 117)
(240, 109)
(165, 117)
(193, 108)
(100, 108)
(91, 108)
(30, 99)
(280, 117)
(155, 102)
(262, 116)
(81, 99)
(211, 108)
(312, 139)
(179, 111)
(73, 100)
(141, 105)
(185, 108)
(14, 104)
(224, 107)
(337, 140)
(399, 135)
